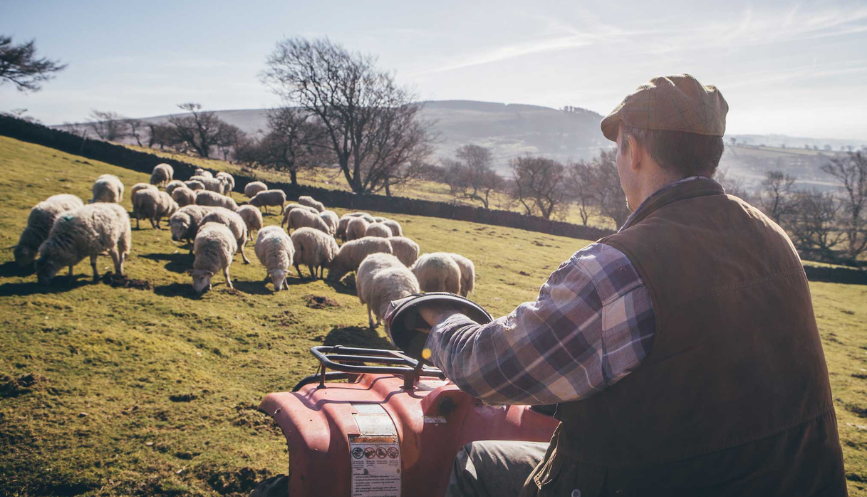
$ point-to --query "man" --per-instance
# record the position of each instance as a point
(682, 351)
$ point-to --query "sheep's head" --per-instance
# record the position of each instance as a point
(278, 278)
(202, 280)
(24, 255)
(256, 201)
(46, 269)
(180, 227)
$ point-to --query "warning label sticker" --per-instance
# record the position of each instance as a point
(375, 466)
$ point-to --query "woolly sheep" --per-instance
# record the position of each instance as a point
(310, 202)
(340, 232)
(217, 185)
(252, 218)
(378, 229)
(396, 230)
(175, 183)
(213, 199)
(107, 188)
(201, 172)
(404, 249)
(331, 219)
(153, 205)
(195, 185)
(437, 272)
(290, 207)
(276, 251)
(185, 223)
(302, 218)
(39, 224)
(367, 217)
(162, 174)
(140, 186)
(234, 222)
(378, 219)
(183, 196)
(271, 198)
(381, 279)
(314, 249)
(230, 182)
(86, 231)
(214, 246)
(468, 273)
(253, 188)
(353, 252)
(356, 228)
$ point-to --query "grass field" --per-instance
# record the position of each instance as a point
(118, 391)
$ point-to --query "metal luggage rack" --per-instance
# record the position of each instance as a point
(348, 362)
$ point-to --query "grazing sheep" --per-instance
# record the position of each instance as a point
(437, 273)
(378, 229)
(215, 243)
(183, 196)
(341, 227)
(213, 199)
(201, 172)
(468, 273)
(302, 218)
(310, 202)
(185, 223)
(404, 249)
(314, 249)
(175, 183)
(217, 185)
(107, 188)
(195, 185)
(253, 188)
(331, 219)
(234, 222)
(381, 279)
(252, 218)
(396, 230)
(352, 253)
(153, 205)
(86, 231)
(39, 224)
(378, 219)
(230, 182)
(367, 217)
(140, 186)
(276, 251)
(290, 207)
(162, 174)
(268, 198)
(356, 228)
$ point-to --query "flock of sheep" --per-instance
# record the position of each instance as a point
(62, 231)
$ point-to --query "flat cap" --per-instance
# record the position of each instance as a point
(671, 103)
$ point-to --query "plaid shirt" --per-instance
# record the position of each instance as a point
(591, 325)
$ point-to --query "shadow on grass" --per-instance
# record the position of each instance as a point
(176, 263)
(254, 287)
(58, 285)
(346, 288)
(184, 290)
(356, 336)
(11, 268)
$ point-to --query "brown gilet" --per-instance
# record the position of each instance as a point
(734, 397)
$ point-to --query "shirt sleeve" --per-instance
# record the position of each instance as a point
(591, 325)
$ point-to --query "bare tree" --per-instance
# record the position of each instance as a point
(135, 129)
(159, 134)
(609, 194)
(471, 175)
(733, 185)
(199, 132)
(372, 125)
(851, 171)
(538, 184)
(77, 130)
(776, 196)
(813, 225)
(20, 66)
(228, 138)
(109, 126)
(581, 186)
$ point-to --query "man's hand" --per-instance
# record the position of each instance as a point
(435, 314)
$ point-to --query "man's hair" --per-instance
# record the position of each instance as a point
(689, 154)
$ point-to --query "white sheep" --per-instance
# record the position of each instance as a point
(353, 252)
(175, 183)
(87, 231)
(404, 249)
(185, 223)
(331, 219)
(290, 207)
(254, 187)
(107, 188)
(234, 222)
(302, 218)
(310, 202)
(39, 224)
(276, 251)
(468, 273)
(378, 219)
(217, 185)
(437, 272)
(272, 198)
(342, 223)
(215, 243)
(183, 196)
(367, 217)
(381, 279)
(314, 249)
(162, 174)
(356, 228)
(201, 172)
(195, 185)
(396, 230)
(252, 218)
(213, 199)
(140, 186)
(379, 230)
(229, 180)
(154, 205)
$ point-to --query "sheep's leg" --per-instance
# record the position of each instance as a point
(136, 223)
(153, 225)
(267, 277)
(298, 268)
(118, 260)
(228, 280)
(370, 318)
(282, 206)
(93, 265)
(312, 272)
(241, 250)
(321, 271)
(158, 223)
(71, 277)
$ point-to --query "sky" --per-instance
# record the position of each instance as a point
(793, 68)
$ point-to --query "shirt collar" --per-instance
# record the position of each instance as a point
(656, 194)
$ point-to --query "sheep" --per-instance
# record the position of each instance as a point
(468, 273)
(331, 219)
(195, 185)
(217, 185)
(268, 198)
(396, 230)
(234, 222)
(356, 228)
(183, 196)
(185, 223)
(341, 227)
(153, 205)
(253, 188)
(290, 207)
(162, 174)
(276, 251)
(314, 249)
(39, 224)
(352, 253)
(107, 188)
(215, 243)
(140, 186)
(302, 218)
(378, 219)
(367, 217)
(437, 272)
(201, 172)
(213, 199)
(86, 231)
(230, 182)
(252, 218)
(310, 202)
(175, 183)
(378, 229)
(381, 279)
(404, 249)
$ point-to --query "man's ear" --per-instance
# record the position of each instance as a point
(635, 152)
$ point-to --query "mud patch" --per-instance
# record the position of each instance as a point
(249, 416)
(242, 480)
(319, 302)
(233, 292)
(286, 318)
(26, 383)
(123, 281)
(183, 397)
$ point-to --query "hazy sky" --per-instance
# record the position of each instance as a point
(789, 68)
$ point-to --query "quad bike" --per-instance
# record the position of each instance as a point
(394, 424)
